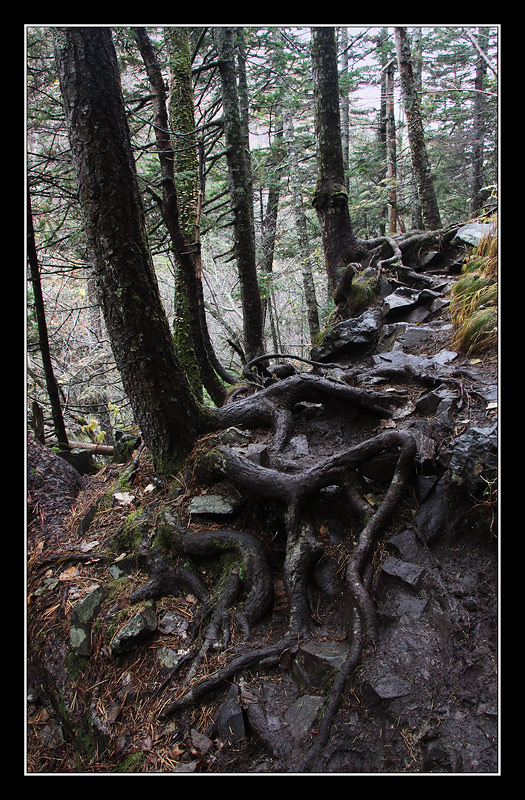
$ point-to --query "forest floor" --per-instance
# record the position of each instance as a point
(422, 700)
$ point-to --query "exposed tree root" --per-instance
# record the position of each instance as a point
(272, 406)
(270, 654)
(249, 374)
(245, 590)
(311, 761)
(400, 245)
(303, 550)
(357, 578)
(250, 553)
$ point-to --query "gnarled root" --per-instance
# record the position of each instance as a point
(292, 490)
(271, 407)
(365, 625)
(270, 654)
(303, 549)
(250, 552)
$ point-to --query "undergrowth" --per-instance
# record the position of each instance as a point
(474, 306)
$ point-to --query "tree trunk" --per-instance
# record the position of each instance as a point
(51, 382)
(269, 230)
(186, 251)
(478, 129)
(301, 229)
(345, 106)
(382, 121)
(417, 61)
(239, 170)
(391, 169)
(416, 135)
(98, 400)
(164, 406)
(340, 245)
(186, 175)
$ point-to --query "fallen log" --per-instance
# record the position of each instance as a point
(101, 449)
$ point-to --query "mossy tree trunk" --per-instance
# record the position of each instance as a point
(164, 406)
(186, 175)
(186, 250)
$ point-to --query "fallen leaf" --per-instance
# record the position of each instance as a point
(124, 498)
(178, 751)
(87, 546)
(68, 574)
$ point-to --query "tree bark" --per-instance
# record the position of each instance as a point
(391, 167)
(164, 406)
(382, 37)
(345, 106)
(269, 223)
(340, 245)
(239, 170)
(478, 130)
(301, 229)
(186, 251)
(186, 178)
(416, 134)
(51, 382)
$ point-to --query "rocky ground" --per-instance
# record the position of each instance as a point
(423, 698)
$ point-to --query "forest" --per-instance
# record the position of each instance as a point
(262, 400)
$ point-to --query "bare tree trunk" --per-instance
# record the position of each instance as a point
(345, 123)
(416, 135)
(164, 406)
(98, 395)
(382, 122)
(417, 61)
(269, 230)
